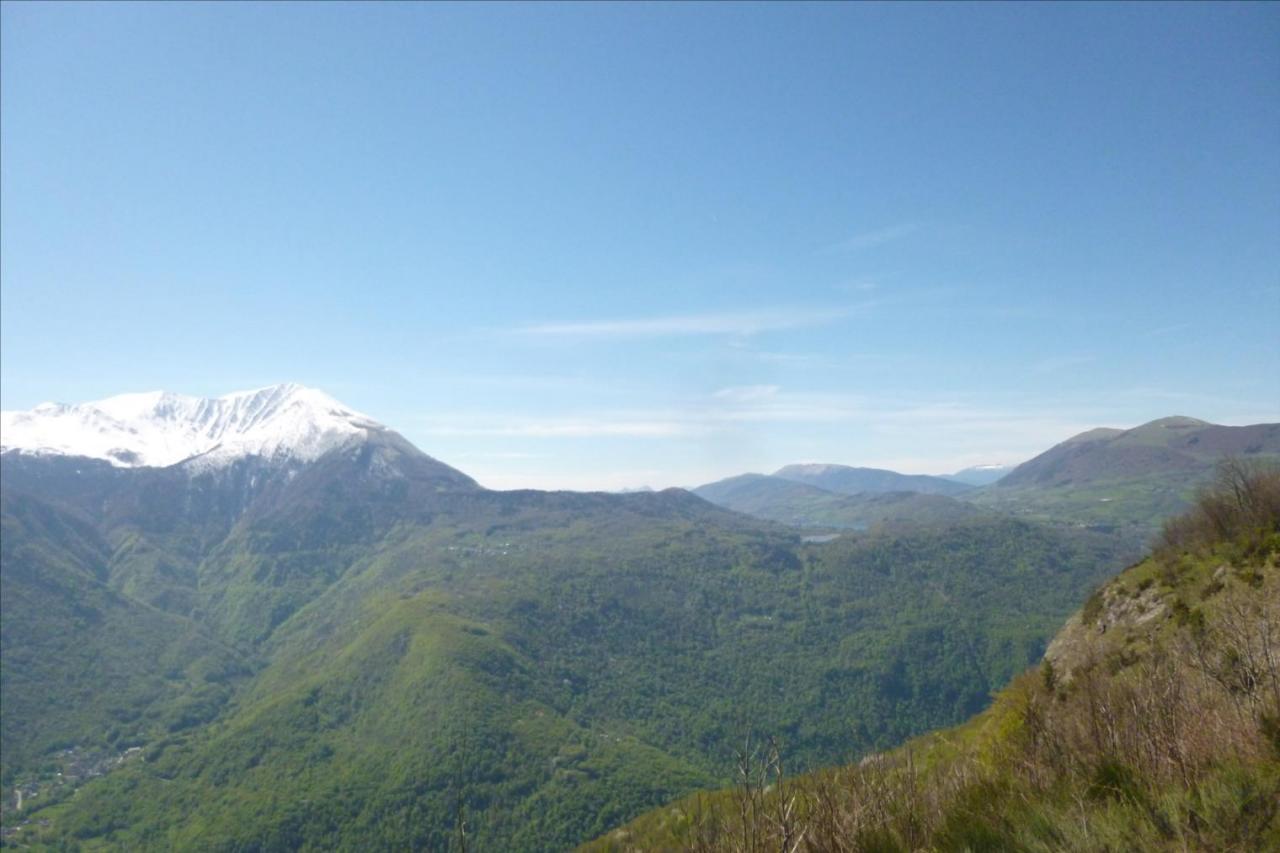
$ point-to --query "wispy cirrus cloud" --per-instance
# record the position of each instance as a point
(716, 323)
(747, 393)
(599, 425)
(1062, 362)
(500, 455)
(1161, 331)
(875, 237)
(859, 286)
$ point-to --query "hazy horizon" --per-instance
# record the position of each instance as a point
(608, 480)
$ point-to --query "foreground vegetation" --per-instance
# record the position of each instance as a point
(1153, 724)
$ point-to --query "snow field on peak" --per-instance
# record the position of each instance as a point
(159, 429)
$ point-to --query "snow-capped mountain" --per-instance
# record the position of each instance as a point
(159, 428)
(980, 475)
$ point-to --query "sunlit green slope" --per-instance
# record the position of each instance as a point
(82, 664)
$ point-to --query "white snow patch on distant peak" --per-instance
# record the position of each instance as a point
(160, 428)
(813, 468)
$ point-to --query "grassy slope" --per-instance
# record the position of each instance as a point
(1154, 725)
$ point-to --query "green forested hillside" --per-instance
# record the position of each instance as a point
(1153, 724)
(530, 668)
(83, 665)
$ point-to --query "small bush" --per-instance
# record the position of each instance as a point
(1092, 607)
(1241, 507)
(877, 840)
(1270, 726)
(1113, 780)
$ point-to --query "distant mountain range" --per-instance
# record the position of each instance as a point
(980, 475)
(1125, 480)
(845, 480)
(790, 502)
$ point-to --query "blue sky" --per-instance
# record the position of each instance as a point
(596, 246)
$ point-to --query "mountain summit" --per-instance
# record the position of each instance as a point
(160, 428)
(1174, 446)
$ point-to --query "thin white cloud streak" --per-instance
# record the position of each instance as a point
(1006, 312)
(501, 455)
(596, 481)
(1053, 365)
(724, 323)
(1166, 330)
(597, 426)
(949, 464)
(877, 237)
(747, 393)
(787, 360)
(792, 359)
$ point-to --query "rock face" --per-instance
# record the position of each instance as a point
(1113, 618)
